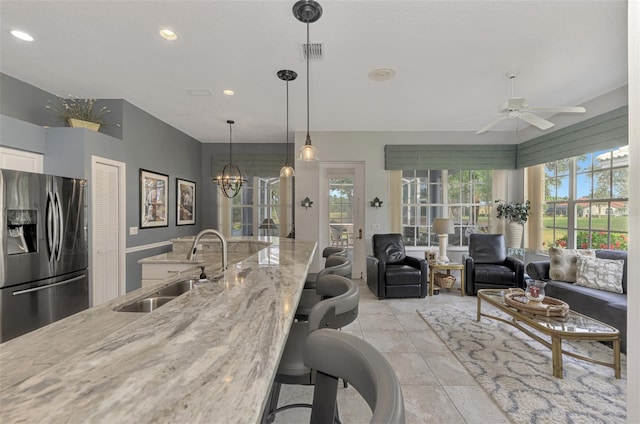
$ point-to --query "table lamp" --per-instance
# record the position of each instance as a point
(443, 227)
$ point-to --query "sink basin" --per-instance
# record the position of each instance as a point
(146, 305)
(177, 288)
(162, 296)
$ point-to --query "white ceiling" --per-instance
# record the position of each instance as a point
(450, 59)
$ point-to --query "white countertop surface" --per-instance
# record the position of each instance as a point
(207, 356)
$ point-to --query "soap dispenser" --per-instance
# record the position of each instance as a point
(203, 276)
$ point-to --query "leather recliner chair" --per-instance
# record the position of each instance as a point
(391, 273)
(488, 267)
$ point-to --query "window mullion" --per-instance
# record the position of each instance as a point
(571, 203)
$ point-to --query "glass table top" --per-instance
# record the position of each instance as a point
(574, 322)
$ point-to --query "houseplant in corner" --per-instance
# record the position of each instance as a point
(79, 113)
(516, 215)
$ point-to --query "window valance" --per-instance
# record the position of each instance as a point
(601, 132)
(446, 156)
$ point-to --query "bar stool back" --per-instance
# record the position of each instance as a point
(334, 355)
(336, 311)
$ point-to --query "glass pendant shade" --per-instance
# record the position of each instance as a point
(287, 171)
(231, 178)
(308, 152)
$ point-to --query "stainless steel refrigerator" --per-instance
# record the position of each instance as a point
(43, 251)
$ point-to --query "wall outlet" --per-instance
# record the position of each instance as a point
(133, 231)
(375, 227)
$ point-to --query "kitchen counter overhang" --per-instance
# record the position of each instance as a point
(209, 355)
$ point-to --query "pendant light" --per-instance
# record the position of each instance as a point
(231, 178)
(286, 76)
(307, 11)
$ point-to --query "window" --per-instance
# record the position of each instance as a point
(464, 194)
(341, 211)
(256, 207)
(586, 201)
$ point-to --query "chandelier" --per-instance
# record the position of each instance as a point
(287, 75)
(307, 11)
(230, 180)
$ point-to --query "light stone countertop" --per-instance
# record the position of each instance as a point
(207, 356)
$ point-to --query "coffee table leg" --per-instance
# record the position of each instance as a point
(556, 356)
(616, 357)
(431, 282)
(478, 309)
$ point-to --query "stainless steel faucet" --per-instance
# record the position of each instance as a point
(191, 256)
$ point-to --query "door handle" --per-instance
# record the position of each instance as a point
(50, 226)
(48, 286)
(60, 226)
(360, 233)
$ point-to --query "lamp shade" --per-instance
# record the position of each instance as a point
(268, 223)
(443, 226)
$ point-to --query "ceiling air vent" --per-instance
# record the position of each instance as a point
(316, 52)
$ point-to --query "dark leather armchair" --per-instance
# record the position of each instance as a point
(391, 273)
(488, 267)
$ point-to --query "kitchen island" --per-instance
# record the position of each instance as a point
(207, 356)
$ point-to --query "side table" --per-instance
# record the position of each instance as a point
(445, 267)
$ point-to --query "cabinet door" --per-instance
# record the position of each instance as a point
(21, 160)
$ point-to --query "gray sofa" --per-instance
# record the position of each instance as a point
(608, 307)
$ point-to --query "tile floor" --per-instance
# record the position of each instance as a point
(436, 387)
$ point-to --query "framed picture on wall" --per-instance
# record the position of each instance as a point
(154, 198)
(185, 202)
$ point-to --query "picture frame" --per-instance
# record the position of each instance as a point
(185, 202)
(154, 199)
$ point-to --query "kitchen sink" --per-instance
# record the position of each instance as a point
(162, 296)
(147, 304)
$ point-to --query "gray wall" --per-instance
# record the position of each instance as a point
(144, 142)
(28, 103)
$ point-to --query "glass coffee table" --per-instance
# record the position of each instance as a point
(574, 326)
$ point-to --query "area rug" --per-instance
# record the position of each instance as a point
(516, 371)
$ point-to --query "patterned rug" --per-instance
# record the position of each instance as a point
(516, 371)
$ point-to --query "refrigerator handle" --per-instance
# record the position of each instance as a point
(50, 226)
(60, 226)
(48, 286)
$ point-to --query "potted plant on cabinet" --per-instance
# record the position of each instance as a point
(516, 215)
(80, 113)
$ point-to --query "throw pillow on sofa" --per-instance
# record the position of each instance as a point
(563, 263)
(601, 274)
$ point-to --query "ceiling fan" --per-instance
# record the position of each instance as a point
(517, 107)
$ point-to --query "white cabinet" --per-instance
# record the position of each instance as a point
(154, 273)
(21, 160)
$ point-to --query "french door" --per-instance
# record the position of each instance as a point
(342, 210)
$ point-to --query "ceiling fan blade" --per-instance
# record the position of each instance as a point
(492, 124)
(576, 109)
(536, 121)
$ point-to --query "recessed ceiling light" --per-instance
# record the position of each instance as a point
(228, 92)
(168, 34)
(382, 74)
(21, 35)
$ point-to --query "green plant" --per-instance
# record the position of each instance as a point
(76, 108)
(599, 240)
(513, 211)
